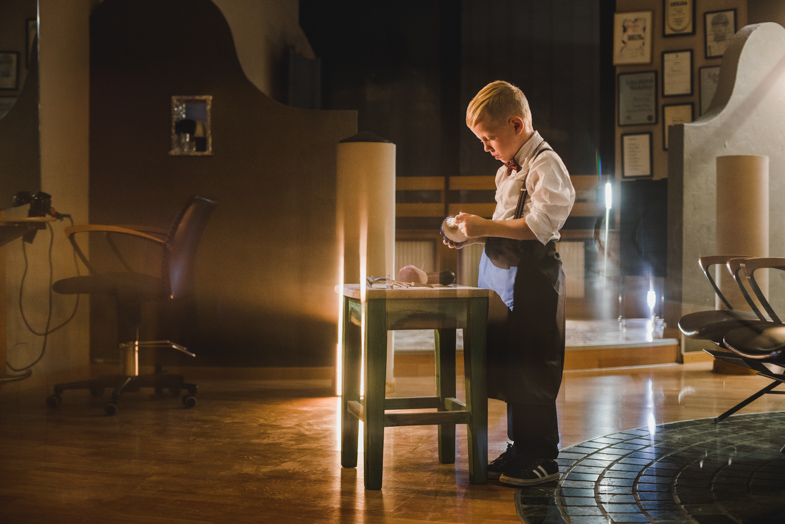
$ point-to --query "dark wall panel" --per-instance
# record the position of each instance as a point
(552, 51)
(268, 260)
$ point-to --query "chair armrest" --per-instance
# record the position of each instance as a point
(734, 265)
(706, 262)
(72, 231)
(711, 260)
(753, 263)
(748, 268)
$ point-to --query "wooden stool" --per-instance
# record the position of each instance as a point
(443, 309)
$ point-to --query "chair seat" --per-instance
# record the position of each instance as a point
(127, 287)
(713, 325)
(758, 343)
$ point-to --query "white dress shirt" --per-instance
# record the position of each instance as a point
(549, 200)
(549, 191)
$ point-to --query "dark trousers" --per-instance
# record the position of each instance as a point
(526, 353)
(534, 429)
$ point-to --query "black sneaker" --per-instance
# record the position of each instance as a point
(502, 462)
(537, 472)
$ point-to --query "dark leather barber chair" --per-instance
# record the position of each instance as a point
(751, 339)
(131, 289)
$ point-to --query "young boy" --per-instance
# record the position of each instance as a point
(526, 352)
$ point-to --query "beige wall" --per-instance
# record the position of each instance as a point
(263, 30)
(64, 95)
(745, 119)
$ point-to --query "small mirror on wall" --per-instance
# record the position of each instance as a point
(191, 133)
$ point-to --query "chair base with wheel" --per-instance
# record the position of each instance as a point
(132, 380)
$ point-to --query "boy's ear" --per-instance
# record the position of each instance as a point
(517, 124)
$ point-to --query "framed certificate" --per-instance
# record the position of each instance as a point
(636, 155)
(6, 103)
(9, 70)
(678, 18)
(637, 98)
(709, 77)
(31, 30)
(673, 114)
(677, 73)
(632, 38)
(719, 26)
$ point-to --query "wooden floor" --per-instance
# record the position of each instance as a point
(255, 451)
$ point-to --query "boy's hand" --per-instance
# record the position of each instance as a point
(470, 225)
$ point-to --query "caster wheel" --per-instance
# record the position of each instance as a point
(189, 401)
(53, 401)
(110, 409)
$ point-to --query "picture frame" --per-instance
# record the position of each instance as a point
(719, 27)
(30, 33)
(636, 161)
(678, 17)
(191, 126)
(677, 73)
(637, 98)
(9, 70)
(673, 114)
(709, 78)
(6, 103)
(632, 38)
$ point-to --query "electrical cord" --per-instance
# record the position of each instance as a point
(47, 331)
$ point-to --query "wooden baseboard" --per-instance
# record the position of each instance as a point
(695, 356)
(619, 357)
(727, 368)
(421, 363)
(194, 374)
(247, 373)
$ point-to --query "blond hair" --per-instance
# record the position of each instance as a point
(496, 102)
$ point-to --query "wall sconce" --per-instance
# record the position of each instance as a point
(191, 122)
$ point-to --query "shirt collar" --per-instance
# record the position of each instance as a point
(528, 148)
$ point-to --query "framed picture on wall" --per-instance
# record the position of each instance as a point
(637, 94)
(31, 30)
(9, 70)
(673, 114)
(709, 77)
(632, 38)
(678, 17)
(719, 27)
(636, 155)
(6, 103)
(677, 73)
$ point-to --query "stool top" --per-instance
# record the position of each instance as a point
(380, 291)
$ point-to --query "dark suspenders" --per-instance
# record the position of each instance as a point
(522, 197)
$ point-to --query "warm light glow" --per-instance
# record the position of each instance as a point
(338, 428)
(339, 348)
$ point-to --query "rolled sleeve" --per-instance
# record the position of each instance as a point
(550, 198)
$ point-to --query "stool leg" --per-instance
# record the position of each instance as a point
(350, 385)
(445, 388)
(476, 389)
(375, 378)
